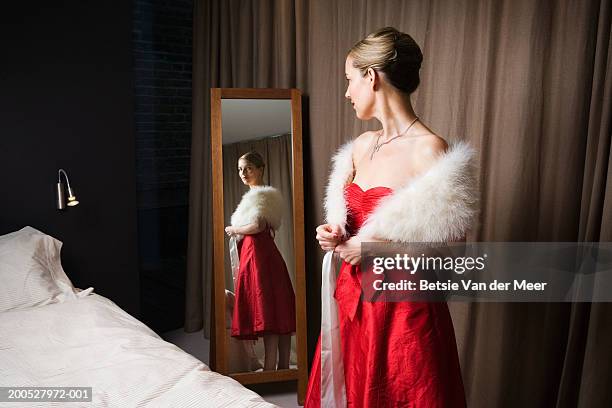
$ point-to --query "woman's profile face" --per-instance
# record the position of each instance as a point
(249, 174)
(359, 90)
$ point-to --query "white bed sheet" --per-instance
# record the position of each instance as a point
(91, 342)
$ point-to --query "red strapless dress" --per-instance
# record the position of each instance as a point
(396, 354)
(265, 302)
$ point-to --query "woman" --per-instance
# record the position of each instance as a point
(265, 302)
(401, 183)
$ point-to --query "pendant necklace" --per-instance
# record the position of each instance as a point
(378, 145)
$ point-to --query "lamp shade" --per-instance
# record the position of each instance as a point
(72, 200)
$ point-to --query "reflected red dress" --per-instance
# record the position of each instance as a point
(396, 354)
(265, 302)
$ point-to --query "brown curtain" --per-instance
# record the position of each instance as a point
(527, 83)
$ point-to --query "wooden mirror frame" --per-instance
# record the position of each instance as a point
(219, 340)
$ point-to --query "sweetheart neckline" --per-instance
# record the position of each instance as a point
(371, 188)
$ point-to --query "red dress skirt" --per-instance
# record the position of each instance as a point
(395, 354)
(265, 302)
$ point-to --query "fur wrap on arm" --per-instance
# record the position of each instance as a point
(259, 202)
(438, 205)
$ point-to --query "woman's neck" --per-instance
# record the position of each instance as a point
(395, 114)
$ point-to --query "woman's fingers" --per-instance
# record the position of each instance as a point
(323, 228)
(323, 235)
(328, 232)
(347, 255)
(327, 245)
(335, 230)
(327, 240)
(329, 236)
(353, 260)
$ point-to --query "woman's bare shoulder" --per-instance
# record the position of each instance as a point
(426, 150)
(362, 143)
(430, 145)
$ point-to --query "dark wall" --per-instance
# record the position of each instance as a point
(162, 72)
(162, 104)
(66, 101)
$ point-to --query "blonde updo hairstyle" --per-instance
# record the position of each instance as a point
(393, 53)
(254, 159)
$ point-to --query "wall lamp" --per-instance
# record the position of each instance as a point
(59, 192)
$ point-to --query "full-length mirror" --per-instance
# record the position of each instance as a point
(259, 265)
(258, 214)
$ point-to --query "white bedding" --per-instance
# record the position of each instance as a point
(91, 342)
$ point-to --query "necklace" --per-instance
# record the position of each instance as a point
(378, 145)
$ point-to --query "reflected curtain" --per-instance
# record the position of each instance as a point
(528, 84)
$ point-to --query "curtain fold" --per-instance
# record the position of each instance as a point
(592, 388)
(528, 84)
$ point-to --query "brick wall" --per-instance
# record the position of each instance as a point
(162, 68)
(162, 41)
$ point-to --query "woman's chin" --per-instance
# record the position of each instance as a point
(361, 116)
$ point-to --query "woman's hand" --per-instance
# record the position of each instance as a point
(248, 229)
(329, 235)
(229, 230)
(350, 250)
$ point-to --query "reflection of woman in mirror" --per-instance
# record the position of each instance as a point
(265, 302)
(401, 183)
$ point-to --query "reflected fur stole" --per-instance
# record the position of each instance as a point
(438, 205)
(259, 202)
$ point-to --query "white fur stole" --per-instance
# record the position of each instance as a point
(438, 205)
(259, 202)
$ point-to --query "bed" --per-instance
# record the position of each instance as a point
(55, 335)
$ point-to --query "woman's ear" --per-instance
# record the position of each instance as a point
(373, 78)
